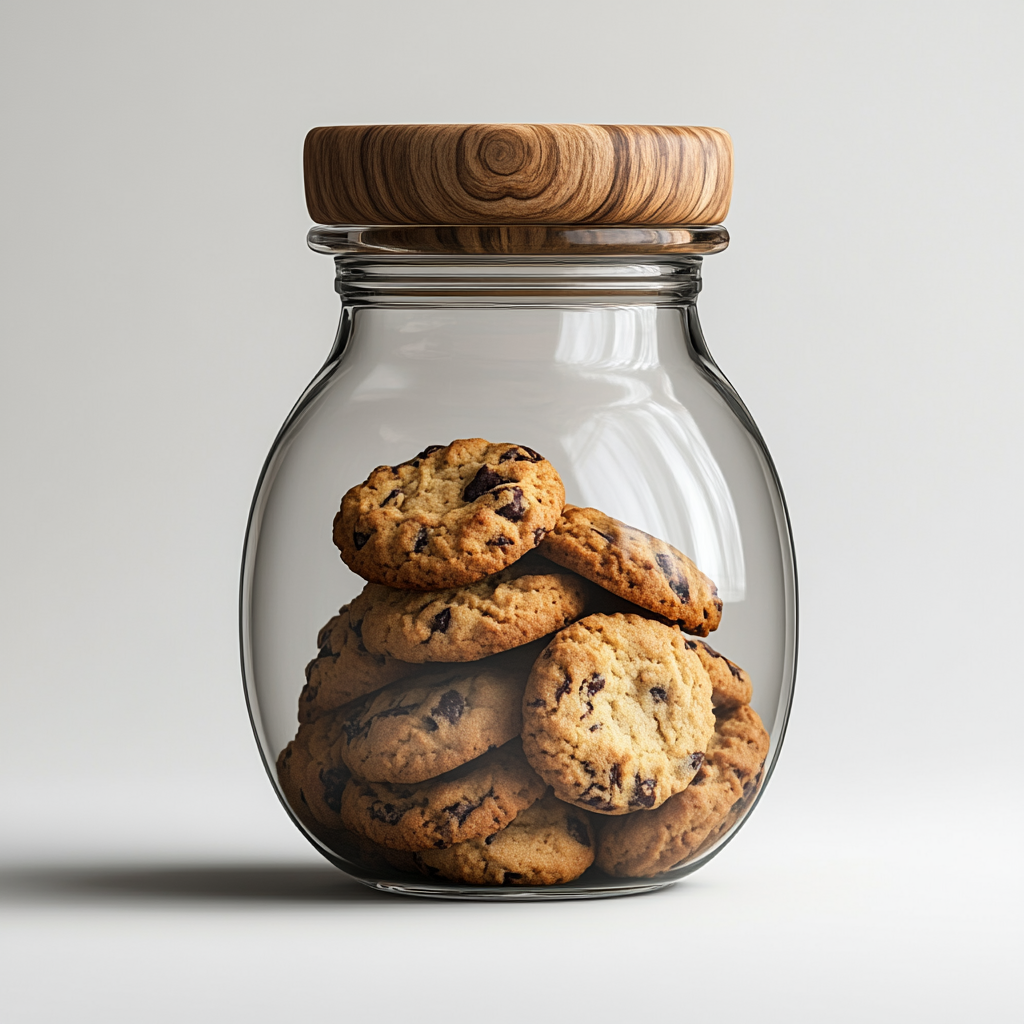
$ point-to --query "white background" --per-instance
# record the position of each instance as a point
(160, 315)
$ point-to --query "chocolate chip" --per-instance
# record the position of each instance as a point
(659, 695)
(393, 494)
(429, 449)
(353, 728)
(360, 539)
(441, 621)
(599, 802)
(462, 810)
(578, 831)
(421, 541)
(611, 540)
(387, 813)
(696, 760)
(676, 580)
(515, 510)
(691, 645)
(593, 684)
(333, 780)
(490, 839)
(537, 703)
(450, 706)
(594, 728)
(510, 877)
(615, 776)
(521, 454)
(644, 791)
(325, 651)
(563, 689)
(538, 535)
(485, 480)
(430, 724)
(501, 542)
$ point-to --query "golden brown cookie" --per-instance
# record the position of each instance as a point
(477, 799)
(730, 685)
(547, 843)
(617, 713)
(635, 566)
(642, 845)
(416, 730)
(522, 603)
(450, 516)
(344, 669)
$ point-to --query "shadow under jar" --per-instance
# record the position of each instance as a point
(518, 598)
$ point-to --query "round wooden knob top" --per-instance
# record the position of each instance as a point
(518, 174)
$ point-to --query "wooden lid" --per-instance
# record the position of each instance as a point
(499, 174)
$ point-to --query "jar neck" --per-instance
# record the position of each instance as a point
(517, 281)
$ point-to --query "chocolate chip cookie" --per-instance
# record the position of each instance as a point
(526, 601)
(635, 566)
(730, 685)
(344, 669)
(292, 765)
(617, 713)
(417, 730)
(547, 843)
(642, 845)
(312, 774)
(450, 516)
(477, 799)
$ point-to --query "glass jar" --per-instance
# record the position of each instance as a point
(552, 496)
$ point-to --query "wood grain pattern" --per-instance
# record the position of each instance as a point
(518, 174)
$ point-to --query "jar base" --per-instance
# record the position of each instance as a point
(519, 894)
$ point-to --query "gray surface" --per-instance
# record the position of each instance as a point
(160, 316)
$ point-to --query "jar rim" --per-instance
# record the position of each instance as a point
(557, 240)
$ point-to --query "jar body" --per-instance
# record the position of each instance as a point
(600, 366)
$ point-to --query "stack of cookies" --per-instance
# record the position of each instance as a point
(516, 694)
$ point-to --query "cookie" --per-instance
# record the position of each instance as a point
(357, 850)
(450, 516)
(526, 601)
(344, 669)
(547, 843)
(730, 685)
(312, 774)
(635, 566)
(475, 800)
(412, 731)
(643, 845)
(617, 713)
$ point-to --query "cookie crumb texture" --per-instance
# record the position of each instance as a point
(344, 669)
(476, 800)
(410, 732)
(635, 566)
(546, 844)
(450, 516)
(508, 609)
(513, 698)
(644, 845)
(617, 713)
